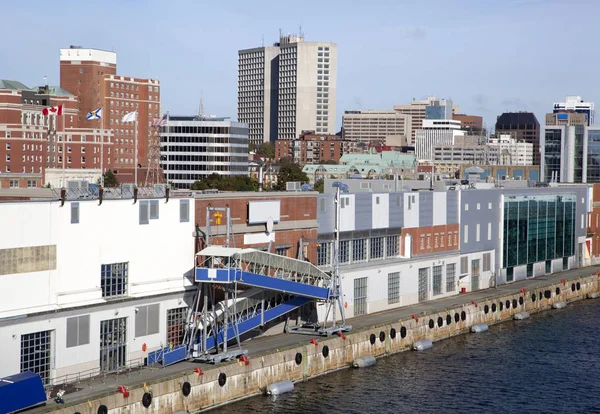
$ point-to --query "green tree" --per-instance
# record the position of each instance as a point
(110, 180)
(289, 172)
(226, 183)
(267, 148)
(319, 185)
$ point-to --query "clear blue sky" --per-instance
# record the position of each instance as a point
(489, 56)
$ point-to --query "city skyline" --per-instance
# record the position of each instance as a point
(488, 58)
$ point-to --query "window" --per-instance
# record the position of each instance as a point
(477, 232)
(392, 246)
(281, 251)
(464, 265)
(487, 262)
(360, 296)
(176, 326)
(74, 213)
(442, 239)
(466, 207)
(437, 280)
(478, 206)
(359, 250)
(489, 232)
(81, 71)
(393, 288)
(184, 211)
(36, 354)
(422, 242)
(450, 276)
(78, 331)
(429, 241)
(449, 239)
(344, 251)
(113, 344)
(435, 240)
(8, 146)
(13, 183)
(153, 209)
(324, 254)
(31, 183)
(466, 235)
(456, 238)
(144, 212)
(489, 206)
(113, 279)
(146, 320)
(376, 248)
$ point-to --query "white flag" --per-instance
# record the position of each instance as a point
(129, 117)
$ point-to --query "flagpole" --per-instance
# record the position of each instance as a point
(168, 148)
(102, 158)
(136, 148)
(64, 153)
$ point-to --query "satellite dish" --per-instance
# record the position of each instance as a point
(269, 225)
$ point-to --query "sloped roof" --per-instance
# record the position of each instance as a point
(58, 91)
(14, 85)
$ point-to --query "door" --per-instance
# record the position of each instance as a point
(475, 274)
(113, 344)
(423, 284)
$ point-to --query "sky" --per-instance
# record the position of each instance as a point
(488, 56)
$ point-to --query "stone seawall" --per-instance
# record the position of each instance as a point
(225, 383)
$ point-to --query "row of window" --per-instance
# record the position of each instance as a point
(438, 240)
(359, 250)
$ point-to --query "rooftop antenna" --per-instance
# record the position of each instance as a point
(300, 31)
(280, 34)
(201, 106)
(263, 41)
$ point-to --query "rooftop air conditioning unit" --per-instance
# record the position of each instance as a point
(293, 186)
(77, 184)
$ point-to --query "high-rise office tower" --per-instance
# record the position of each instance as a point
(523, 126)
(91, 75)
(438, 109)
(288, 88)
(258, 84)
(576, 105)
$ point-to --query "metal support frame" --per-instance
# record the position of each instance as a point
(336, 298)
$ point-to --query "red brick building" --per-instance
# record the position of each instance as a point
(298, 219)
(313, 148)
(473, 124)
(91, 75)
(31, 142)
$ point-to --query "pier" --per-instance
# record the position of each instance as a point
(300, 358)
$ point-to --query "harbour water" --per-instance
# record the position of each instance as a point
(548, 363)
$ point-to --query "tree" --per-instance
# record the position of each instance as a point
(319, 185)
(110, 180)
(268, 149)
(226, 183)
(289, 172)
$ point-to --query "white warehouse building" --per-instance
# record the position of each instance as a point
(88, 286)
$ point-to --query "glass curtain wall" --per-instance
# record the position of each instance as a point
(538, 228)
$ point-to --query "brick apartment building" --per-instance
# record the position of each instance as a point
(31, 142)
(91, 75)
(297, 219)
(313, 148)
(473, 124)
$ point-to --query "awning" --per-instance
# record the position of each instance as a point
(221, 251)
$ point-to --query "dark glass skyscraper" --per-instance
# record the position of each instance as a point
(523, 126)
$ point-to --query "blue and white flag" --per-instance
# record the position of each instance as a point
(97, 114)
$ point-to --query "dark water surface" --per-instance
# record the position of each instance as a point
(549, 363)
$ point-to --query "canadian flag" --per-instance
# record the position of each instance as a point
(56, 110)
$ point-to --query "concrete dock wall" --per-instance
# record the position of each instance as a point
(225, 383)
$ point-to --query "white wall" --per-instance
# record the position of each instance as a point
(83, 357)
(411, 216)
(159, 253)
(381, 211)
(377, 283)
(347, 214)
